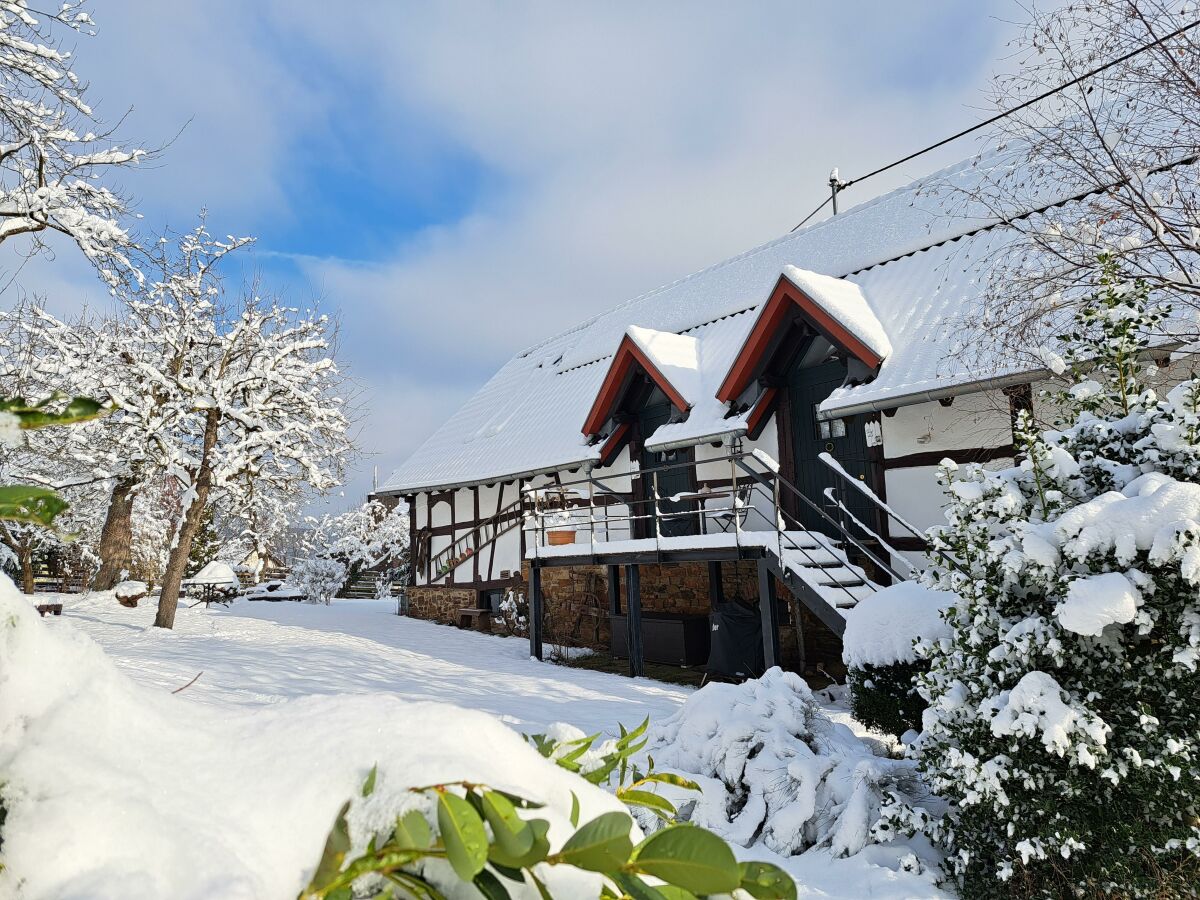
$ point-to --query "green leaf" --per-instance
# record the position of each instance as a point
(337, 845)
(574, 810)
(674, 892)
(512, 833)
(668, 778)
(368, 787)
(636, 888)
(765, 881)
(463, 834)
(647, 799)
(490, 886)
(80, 409)
(412, 831)
(24, 503)
(601, 845)
(518, 801)
(628, 737)
(538, 852)
(690, 857)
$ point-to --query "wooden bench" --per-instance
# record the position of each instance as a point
(477, 619)
(54, 609)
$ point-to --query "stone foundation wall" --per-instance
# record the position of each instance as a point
(577, 607)
(439, 603)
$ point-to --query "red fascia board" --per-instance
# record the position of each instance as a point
(627, 356)
(614, 443)
(762, 410)
(774, 314)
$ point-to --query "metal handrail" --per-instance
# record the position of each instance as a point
(769, 487)
(883, 507)
(515, 509)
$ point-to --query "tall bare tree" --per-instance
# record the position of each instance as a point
(1122, 145)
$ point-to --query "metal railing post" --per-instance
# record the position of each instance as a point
(591, 517)
(657, 511)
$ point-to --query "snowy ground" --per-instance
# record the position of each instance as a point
(256, 653)
(296, 663)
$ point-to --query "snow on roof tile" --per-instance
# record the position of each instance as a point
(844, 300)
(527, 417)
(676, 356)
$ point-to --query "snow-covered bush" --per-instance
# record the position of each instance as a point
(514, 613)
(318, 577)
(1063, 723)
(772, 767)
(879, 649)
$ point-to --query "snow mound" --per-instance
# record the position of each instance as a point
(1095, 601)
(159, 796)
(882, 628)
(774, 768)
(217, 573)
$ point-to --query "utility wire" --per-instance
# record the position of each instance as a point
(1008, 112)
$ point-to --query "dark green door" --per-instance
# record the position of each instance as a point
(843, 439)
(671, 482)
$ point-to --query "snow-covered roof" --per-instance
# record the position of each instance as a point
(898, 271)
(676, 356)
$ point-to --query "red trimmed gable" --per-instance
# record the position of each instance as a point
(786, 297)
(628, 358)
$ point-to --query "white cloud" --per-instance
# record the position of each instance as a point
(627, 145)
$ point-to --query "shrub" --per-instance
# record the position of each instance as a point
(879, 648)
(1063, 726)
(885, 698)
(493, 839)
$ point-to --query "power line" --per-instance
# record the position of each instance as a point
(1008, 112)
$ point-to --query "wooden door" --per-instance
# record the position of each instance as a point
(843, 439)
(681, 480)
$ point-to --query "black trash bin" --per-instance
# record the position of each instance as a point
(735, 641)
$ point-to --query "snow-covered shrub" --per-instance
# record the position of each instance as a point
(772, 767)
(1063, 723)
(318, 577)
(880, 652)
(514, 613)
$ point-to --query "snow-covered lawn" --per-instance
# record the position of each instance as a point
(226, 789)
(259, 652)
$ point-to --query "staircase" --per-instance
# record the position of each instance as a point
(817, 571)
(364, 586)
(449, 558)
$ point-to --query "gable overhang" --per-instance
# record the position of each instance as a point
(785, 303)
(628, 359)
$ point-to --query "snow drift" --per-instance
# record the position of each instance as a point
(117, 790)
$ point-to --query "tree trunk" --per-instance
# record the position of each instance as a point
(25, 554)
(116, 538)
(168, 597)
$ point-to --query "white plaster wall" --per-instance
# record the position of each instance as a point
(464, 505)
(972, 420)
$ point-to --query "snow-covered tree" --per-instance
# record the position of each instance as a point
(54, 155)
(1063, 725)
(365, 537)
(217, 391)
(1125, 140)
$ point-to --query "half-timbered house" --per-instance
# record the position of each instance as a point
(711, 440)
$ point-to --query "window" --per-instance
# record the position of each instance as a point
(829, 428)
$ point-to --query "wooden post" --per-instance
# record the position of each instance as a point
(633, 620)
(535, 610)
(768, 608)
(614, 590)
(716, 590)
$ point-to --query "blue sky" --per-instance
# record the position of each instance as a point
(458, 180)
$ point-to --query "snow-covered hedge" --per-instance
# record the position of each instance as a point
(879, 648)
(774, 768)
(1063, 724)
